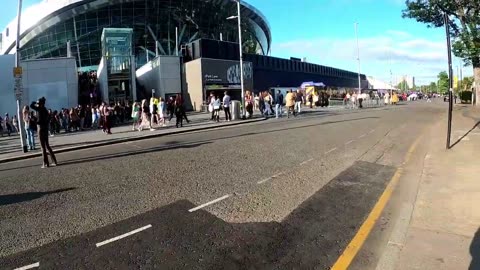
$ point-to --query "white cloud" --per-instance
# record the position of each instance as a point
(399, 51)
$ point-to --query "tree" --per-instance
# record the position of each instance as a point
(443, 82)
(433, 87)
(464, 21)
(402, 85)
(467, 83)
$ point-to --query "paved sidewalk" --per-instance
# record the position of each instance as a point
(10, 149)
(444, 231)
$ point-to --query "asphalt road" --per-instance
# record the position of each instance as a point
(279, 194)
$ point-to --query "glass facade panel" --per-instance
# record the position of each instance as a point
(150, 20)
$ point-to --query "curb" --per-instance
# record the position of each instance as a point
(122, 140)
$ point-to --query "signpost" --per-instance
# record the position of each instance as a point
(17, 74)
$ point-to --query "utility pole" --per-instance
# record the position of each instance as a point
(450, 74)
(18, 73)
(358, 59)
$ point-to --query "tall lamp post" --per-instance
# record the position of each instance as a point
(358, 59)
(240, 45)
(17, 73)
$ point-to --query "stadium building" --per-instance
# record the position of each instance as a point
(135, 46)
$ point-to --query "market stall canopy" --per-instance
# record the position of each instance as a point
(306, 84)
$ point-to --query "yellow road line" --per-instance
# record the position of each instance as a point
(344, 261)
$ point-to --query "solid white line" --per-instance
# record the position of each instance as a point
(123, 235)
(361, 136)
(349, 142)
(331, 150)
(208, 203)
(264, 180)
(30, 266)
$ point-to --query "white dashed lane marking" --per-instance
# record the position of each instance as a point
(123, 236)
(30, 266)
(306, 161)
(331, 150)
(208, 203)
(361, 136)
(349, 142)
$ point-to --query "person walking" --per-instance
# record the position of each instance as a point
(226, 106)
(8, 125)
(298, 102)
(145, 116)
(267, 105)
(290, 103)
(107, 118)
(42, 125)
(179, 110)
(249, 104)
(217, 104)
(170, 108)
(15, 123)
(135, 116)
(211, 100)
(28, 129)
(278, 104)
(161, 110)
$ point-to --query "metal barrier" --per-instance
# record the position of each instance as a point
(336, 102)
(372, 103)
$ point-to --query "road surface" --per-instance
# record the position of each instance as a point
(279, 194)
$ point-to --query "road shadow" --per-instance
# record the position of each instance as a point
(311, 237)
(475, 251)
(29, 196)
(466, 134)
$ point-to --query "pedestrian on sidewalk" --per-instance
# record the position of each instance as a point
(8, 126)
(267, 104)
(290, 103)
(81, 116)
(170, 108)
(249, 104)
(28, 129)
(217, 104)
(1, 125)
(145, 116)
(94, 117)
(15, 124)
(154, 110)
(211, 100)
(161, 110)
(135, 116)
(310, 100)
(298, 102)
(107, 118)
(261, 102)
(278, 104)
(179, 111)
(226, 106)
(43, 123)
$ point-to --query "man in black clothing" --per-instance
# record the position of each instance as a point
(43, 123)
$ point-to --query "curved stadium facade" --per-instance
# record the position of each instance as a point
(154, 24)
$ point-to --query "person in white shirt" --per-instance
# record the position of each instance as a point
(216, 108)
(226, 106)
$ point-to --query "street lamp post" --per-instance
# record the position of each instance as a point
(240, 45)
(358, 59)
(17, 73)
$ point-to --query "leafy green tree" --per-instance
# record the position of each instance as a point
(433, 87)
(443, 82)
(402, 85)
(464, 21)
(467, 83)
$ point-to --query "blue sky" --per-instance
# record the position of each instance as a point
(323, 32)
